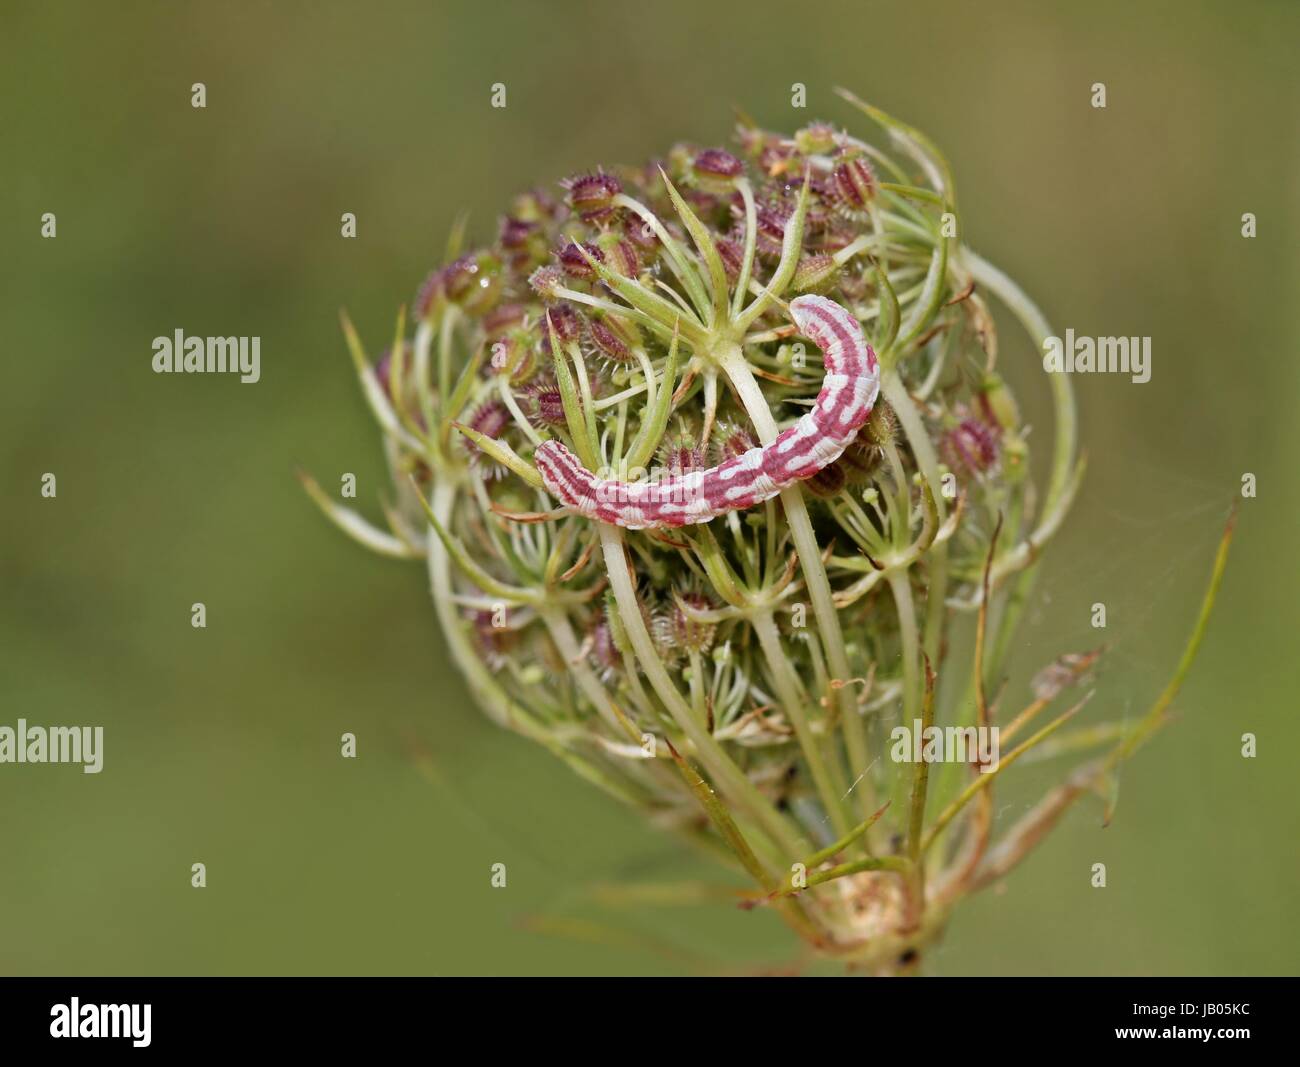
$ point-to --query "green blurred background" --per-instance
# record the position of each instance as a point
(222, 745)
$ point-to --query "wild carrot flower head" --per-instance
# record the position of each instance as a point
(751, 678)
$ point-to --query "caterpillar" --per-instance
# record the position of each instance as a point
(817, 439)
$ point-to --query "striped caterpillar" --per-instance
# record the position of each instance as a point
(816, 440)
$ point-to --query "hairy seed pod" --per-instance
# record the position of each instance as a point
(643, 238)
(546, 282)
(971, 446)
(523, 244)
(732, 254)
(591, 196)
(537, 206)
(514, 356)
(686, 632)
(853, 183)
(472, 283)
(565, 321)
(503, 319)
(828, 481)
(776, 156)
(515, 234)
(571, 260)
(544, 404)
(824, 215)
(619, 254)
(612, 338)
(681, 453)
(490, 419)
(997, 405)
(882, 428)
(815, 139)
(770, 228)
(605, 655)
(815, 274)
(731, 441)
(860, 461)
(715, 171)
(426, 297)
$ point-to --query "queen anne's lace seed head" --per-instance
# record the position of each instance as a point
(676, 321)
(860, 460)
(732, 253)
(882, 428)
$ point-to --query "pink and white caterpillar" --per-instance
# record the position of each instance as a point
(848, 393)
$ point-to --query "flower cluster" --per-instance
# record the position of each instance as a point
(740, 680)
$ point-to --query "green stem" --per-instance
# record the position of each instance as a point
(561, 630)
(836, 847)
(1065, 441)
(792, 701)
(738, 789)
(747, 260)
(920, 785)
(984, 780)
(677, 261)
(894, 391)
(900, 585)
(880, 863)
(935, 609)
(496, 702)
(737, 369)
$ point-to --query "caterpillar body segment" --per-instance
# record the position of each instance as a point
(819, 437)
